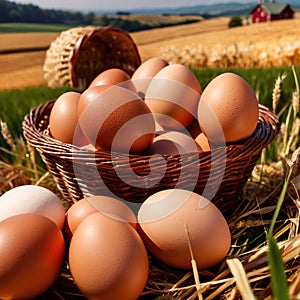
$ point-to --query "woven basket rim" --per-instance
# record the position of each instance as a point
(80, 53)
(231, 165)
(268, 122)
(99, 30)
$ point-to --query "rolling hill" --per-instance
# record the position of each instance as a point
(230, 8)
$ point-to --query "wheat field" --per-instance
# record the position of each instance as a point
(20, 70)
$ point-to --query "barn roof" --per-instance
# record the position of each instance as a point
(274, 8)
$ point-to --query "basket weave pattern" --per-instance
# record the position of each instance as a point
(77, 55)
(81, 172)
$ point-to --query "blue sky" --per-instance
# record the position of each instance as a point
(118, 4)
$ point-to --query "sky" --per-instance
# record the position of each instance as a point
(89, 5)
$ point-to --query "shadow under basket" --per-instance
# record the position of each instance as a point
(219, 174)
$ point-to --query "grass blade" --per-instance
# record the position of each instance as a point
(278, 276)
(280, 201)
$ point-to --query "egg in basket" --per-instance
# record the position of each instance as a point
(130, 136)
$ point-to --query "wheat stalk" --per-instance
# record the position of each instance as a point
(277, 91)
(296, 98)
(6, 134)
(284, 52)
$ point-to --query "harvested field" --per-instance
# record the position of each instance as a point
(150, 42)
(25, 69)
(21, 70)
(215, 32)
(14, 41)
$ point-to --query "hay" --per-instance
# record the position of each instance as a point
(247, 259)
(248, 224)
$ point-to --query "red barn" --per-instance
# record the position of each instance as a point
(265, 12)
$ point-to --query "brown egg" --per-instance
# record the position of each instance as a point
(63, 121)
(173, 142)
(228, 110)
(103, 204)
(203, 142)
(114, 76)
(145, 72)
(88, 97)
(173, 96)
(75, 215)
(108, 259)
(116, 119)
(32, 252)
(169, 218)
(194, 128)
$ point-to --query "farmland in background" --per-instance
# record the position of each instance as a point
(156, 20)
(30, 27)
(21, 70)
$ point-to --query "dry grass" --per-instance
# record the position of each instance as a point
(248, 255)
(285, 52)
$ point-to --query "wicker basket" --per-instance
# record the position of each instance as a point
(81, 172)
(79, 54)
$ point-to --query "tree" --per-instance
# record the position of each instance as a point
(235, 21)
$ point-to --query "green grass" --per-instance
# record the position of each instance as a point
(15, 104)
(278, 276)
(31, 27)
(261, 80)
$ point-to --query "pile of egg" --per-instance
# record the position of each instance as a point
(160, 109)
(103, 242)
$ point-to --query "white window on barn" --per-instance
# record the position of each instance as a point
(262, 13)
